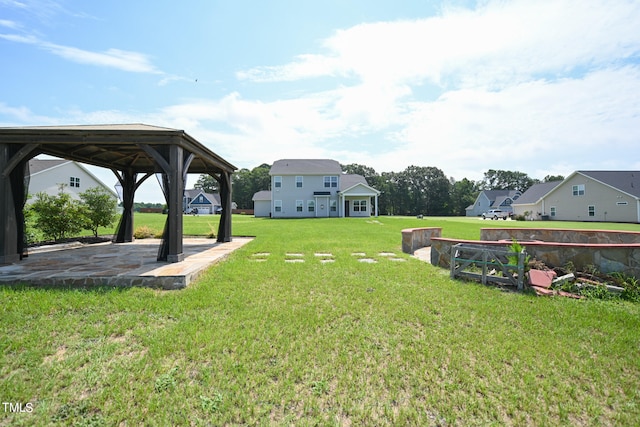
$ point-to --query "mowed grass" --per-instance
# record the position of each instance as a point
(261, 341)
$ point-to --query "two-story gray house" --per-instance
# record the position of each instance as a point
(310, 188)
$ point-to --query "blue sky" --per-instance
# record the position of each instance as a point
(541, 87)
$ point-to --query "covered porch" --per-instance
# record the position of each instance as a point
(357, 201)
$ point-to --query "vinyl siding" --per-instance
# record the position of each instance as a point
(608, 202)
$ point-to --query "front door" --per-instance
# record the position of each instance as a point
(347, 209)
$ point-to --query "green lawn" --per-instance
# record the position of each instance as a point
(262, 341)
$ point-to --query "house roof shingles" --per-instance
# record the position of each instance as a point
(40, 165)
(536, 192)
(627, 181)
(305, 167)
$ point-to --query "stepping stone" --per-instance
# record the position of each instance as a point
(323, 255)
(368, 260)
(293, 260)
(358, 254)
(386, 254)
(261, 254)
(326, 261)
(397, 259)
(294, 255)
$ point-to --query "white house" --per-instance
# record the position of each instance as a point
(304, 188)
(48, 175)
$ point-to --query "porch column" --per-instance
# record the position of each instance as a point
(14, 178)
(376, 196)
(224, 227)
(174, 200)
(125, 226)
(8, 222)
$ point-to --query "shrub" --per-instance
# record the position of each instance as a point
(58, 216)
(144, 232)
(100, 209)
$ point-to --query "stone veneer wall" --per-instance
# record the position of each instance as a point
(416, 238)
(609, 251)
(561, 235)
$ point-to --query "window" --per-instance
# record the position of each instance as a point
(552, 211)
(330, 182)
(277, 205)
(333, 205)
(578, 190)
(359, 205)
(592, 210)
(277, 181)
(311, 205)
(299, 205)
(298, 182)
(74, 182)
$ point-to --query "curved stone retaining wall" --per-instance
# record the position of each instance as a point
(615, 251)
(557, 235)
(416, 238)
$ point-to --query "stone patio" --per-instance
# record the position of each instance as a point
(117, 264)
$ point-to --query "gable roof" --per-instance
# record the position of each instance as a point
(41, 165)
(625, 181)
(262, 196)
(193, 193)
(536, 192)
(37, 166)
(350, 181)
(305, 167)
(497, 197)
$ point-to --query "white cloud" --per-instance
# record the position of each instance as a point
(544, 87)
(114, 58)
(493, 44)
(9, 24)
(510, 84)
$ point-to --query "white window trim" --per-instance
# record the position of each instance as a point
(299, 205)
(277, 182)
(277, 205)
(299, 179)
(330, 181)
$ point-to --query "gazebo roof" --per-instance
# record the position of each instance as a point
(126, 149)
(114, 146)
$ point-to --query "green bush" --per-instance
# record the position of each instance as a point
(144, 232)
(100, 209)
(58, 216)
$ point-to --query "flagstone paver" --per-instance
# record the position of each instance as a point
(117, 264)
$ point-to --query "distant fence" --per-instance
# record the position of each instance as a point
(150, 210)
(242, 211)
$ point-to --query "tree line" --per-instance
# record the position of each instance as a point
(417, 190)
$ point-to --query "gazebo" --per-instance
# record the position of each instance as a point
(134, 152)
